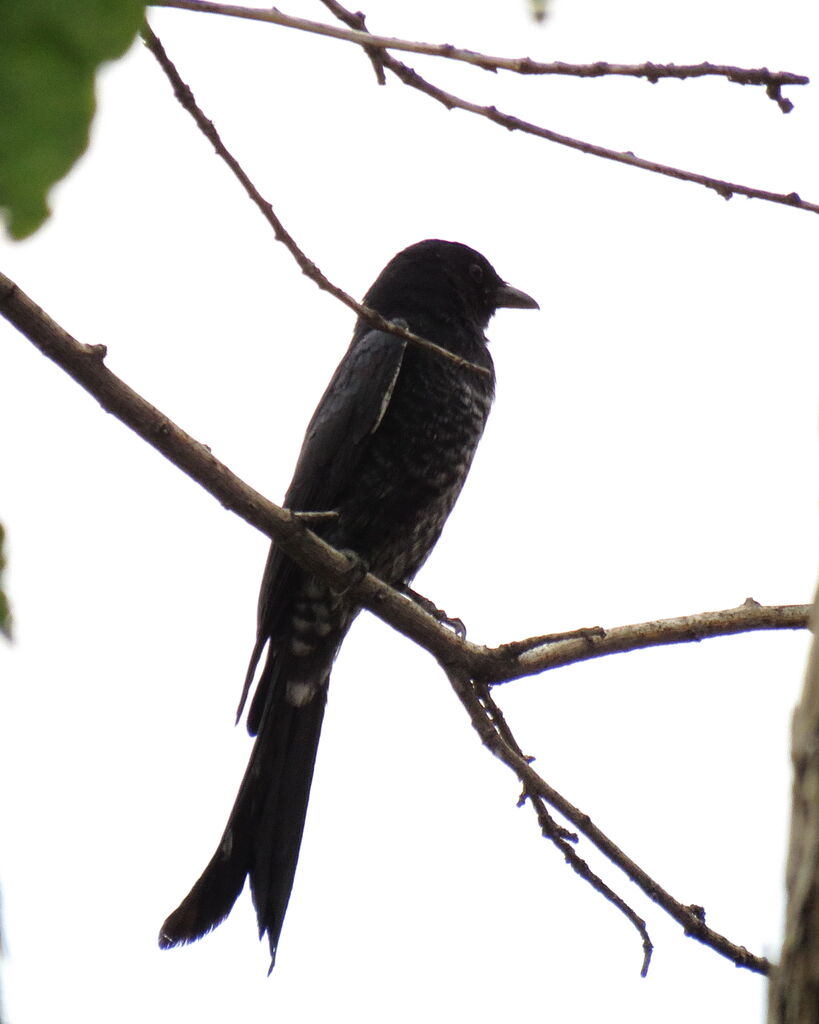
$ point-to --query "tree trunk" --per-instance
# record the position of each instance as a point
(794, 989)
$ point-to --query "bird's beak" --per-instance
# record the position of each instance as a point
(507, 297)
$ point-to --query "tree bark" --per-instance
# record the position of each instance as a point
(794, 989)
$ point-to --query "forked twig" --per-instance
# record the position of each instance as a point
(692, 918)
(773, 81)
(560, 836)
(409, 76)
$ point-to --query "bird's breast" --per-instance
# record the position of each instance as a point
(414, 466)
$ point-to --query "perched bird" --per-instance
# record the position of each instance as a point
(385, 457)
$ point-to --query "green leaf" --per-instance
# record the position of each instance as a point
(5, 610)
(50, 51)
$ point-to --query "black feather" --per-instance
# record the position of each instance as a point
(387, 451)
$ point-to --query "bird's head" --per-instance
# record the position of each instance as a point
(446, 279)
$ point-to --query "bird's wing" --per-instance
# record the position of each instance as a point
(350, 410)
(348, 413)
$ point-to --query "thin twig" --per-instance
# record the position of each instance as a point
(726, 189)
(772, 80)
(307, 267)
(409, 76)
(692, 918)
(560, 836)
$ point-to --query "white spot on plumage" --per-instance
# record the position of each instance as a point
(226, 846)
(299, 693)
(314, 589)
(385, 400)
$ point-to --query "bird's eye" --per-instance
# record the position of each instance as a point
(476, 272)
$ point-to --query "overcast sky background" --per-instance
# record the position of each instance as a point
(651, 453)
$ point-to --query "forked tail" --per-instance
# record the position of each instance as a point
(263, 834)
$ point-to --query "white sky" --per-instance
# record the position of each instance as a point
(652, 452)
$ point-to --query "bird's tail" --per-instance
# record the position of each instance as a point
(263, 834)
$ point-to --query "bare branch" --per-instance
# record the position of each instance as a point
(206, 126)
(561, 837)
(772, 80)
(491, 665)
(725, 189)
(692, 918)
(540, 653)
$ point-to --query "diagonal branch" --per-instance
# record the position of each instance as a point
(550, 829)
(726, 189)
(307, 267)
(772, 80)
(692, 918)
(409, 76)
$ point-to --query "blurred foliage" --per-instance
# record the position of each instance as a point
(50, 51)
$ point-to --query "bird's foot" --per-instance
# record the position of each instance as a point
(356, 571)
(456, 625)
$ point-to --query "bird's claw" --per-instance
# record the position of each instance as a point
(357, 569)
(455, 624)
